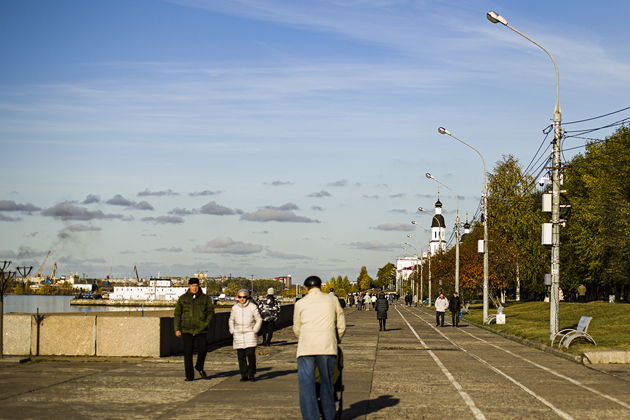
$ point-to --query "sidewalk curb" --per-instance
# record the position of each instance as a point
(577, 359)
(15, 359)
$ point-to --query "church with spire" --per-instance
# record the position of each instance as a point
(438, 230)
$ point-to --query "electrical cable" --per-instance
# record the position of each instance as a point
(594, 118)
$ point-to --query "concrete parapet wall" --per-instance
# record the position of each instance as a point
(102, 335)
(128, 336)
(16, 334)
(61, 335)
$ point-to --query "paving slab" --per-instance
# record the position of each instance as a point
(411, 371)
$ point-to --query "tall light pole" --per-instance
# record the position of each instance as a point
(443, 130)
(422, 258)
(428, 175)
(413, 222)
(555, 182)
(413, 283)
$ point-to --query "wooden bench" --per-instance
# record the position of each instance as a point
(567, 335)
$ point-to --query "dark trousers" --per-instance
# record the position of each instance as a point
(190, 341)
(439, 319)
(455, 318)
(267, 332)
(247, 362)
(381, 323)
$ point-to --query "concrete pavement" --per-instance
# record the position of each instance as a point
(411, 371)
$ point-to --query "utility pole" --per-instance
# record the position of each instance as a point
(554, 304)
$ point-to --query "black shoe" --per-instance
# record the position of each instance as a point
(252, 379)
(202, 373)
(187, 380)
(243, 379)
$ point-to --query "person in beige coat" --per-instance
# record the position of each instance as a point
(244, 324)
(319, 324)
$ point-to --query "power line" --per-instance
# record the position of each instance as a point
(594, 118)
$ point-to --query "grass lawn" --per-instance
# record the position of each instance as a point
(610, 326)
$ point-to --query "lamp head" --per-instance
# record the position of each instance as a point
(413, 222)
(428, 175)
(421, 209)
(494, 17)
(443, 130)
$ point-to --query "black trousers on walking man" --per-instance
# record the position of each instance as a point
(247, 362)
(267, 332)
(439, 319)
(191, 341)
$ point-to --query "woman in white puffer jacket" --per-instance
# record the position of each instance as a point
(244, 323)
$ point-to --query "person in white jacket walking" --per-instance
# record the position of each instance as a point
(441, 305)
(244, 324)
(318, 323)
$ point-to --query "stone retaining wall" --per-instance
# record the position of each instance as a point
(94, 335)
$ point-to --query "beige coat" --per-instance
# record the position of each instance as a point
(317, 321)
(244, 323)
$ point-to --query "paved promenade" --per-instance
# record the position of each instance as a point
(411, 371)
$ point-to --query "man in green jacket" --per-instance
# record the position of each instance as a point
(193, 313)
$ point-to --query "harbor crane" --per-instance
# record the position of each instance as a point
(40, 270)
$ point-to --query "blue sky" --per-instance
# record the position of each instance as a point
(274, 137)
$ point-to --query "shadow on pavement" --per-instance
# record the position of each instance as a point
(271, 375)
(228, 374)
(283, 343)
(365, 407)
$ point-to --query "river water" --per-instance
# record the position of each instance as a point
(53, 304)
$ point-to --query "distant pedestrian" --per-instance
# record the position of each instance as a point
(381, 307)
(193, 313)
(244, 323)
(367, 301)
(373, 300)
(351, 300)
(269, 310)
(408, 299)
(359, 302)
(318, 323)
(390, 298)
(455, 305)
(581, 293)
(441, 305)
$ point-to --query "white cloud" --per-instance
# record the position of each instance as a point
(286, 256)
(65, 211)
(215, 209)
(321, 193)
(272, 215)
(226, 245)
(374, 246)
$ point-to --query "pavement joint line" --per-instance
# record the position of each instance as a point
(465, 396)
(553, 372)
(558, 411)
(51, 385)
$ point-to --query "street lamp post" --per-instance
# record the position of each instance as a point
(428, 175)
(425, 256)
(555, 182)
(443, 130)
(413, 285)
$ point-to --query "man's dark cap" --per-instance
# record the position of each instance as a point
(193, 280)
(313, 281)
